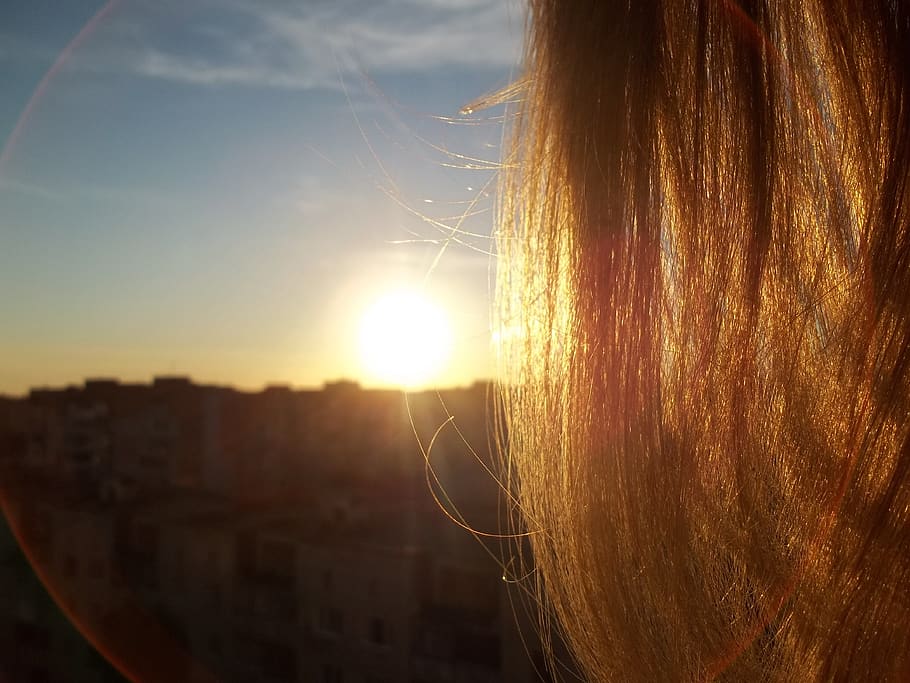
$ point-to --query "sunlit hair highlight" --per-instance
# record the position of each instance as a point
(704, 304)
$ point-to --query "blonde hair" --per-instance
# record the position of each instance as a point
(705, 306)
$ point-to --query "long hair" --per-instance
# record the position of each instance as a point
(704, 298)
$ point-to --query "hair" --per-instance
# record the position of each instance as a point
(704, 302)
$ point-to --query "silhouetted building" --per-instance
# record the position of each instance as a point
(274, 536)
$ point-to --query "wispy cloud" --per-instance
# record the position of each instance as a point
(197, 71)
(131, 196)
(279, 44)
(401, 35)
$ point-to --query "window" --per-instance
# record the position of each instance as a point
(330, 620)
(179, 559)
(213, 595)
(277, 558)
(377, 631)
(39, 675)
(37, 525)
(278, 661)
(332, 674)
(146, 538)
(31, 637)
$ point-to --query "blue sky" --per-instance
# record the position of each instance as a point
(218, 187)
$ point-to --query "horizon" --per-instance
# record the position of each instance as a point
(85, 382)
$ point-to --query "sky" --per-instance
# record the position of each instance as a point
(218, 188)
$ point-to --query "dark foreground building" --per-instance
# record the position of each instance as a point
(200, 533)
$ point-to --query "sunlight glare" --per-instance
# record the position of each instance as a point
(405, 339)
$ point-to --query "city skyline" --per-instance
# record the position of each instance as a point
(180, 532)
(220, 189)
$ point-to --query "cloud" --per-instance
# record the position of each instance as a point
(402, 35)
(195, 71)
(280, 44)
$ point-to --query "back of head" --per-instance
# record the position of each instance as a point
(705, 241)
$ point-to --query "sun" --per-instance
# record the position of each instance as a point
(405, 339)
